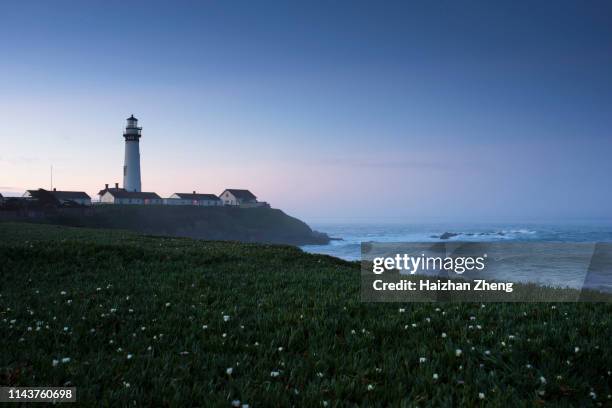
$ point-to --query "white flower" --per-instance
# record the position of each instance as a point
(184, 353)
(479, 327)
(435, 376)
(503, 343)
(414, 325)
(487, 352)
(402, 310)
(472, 317)
(422, 359)
(481, 395)
(149, 348)
(528, 366)
(325, 403)
(129, 356)
(280, 349)
(245, 405)
(226, 318)
(229, 371)
(576, 349)
(370, 387)
(592, 395)
(274, 374)
(113, 310)
(320, 374)
(205, 327)
(543, 380)
(29, 328)
(65, 360)
(443, 335)
(55, 362)
(66, 328)
(236, 403)
(126, 384)
(62, 292)
(511, 337)
(458, 352)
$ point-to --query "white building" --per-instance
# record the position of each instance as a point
(237, 197)
(64, 197)
(121, 196)
(207, 200)
(131, 166)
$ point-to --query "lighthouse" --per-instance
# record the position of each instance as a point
(131, 165)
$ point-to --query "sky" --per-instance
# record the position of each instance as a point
(336, 110)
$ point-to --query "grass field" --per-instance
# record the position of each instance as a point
(179, 322)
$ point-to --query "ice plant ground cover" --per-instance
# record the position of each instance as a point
(170, 321)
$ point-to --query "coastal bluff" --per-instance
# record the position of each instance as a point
(264, 225)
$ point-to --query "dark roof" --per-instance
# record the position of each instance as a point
(191, 196)
(104, 190)
(241, 194)
(131, 117)
(121, 193)
(63, 195)
(69, 195)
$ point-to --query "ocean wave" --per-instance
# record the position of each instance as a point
(484, 235)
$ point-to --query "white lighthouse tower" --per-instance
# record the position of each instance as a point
(131, 167)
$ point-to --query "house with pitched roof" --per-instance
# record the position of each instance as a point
(63, 197)
(122, 196)
(241, 198)
(207, 200)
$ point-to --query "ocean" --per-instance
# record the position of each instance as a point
(559, 272)
(353, 234)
